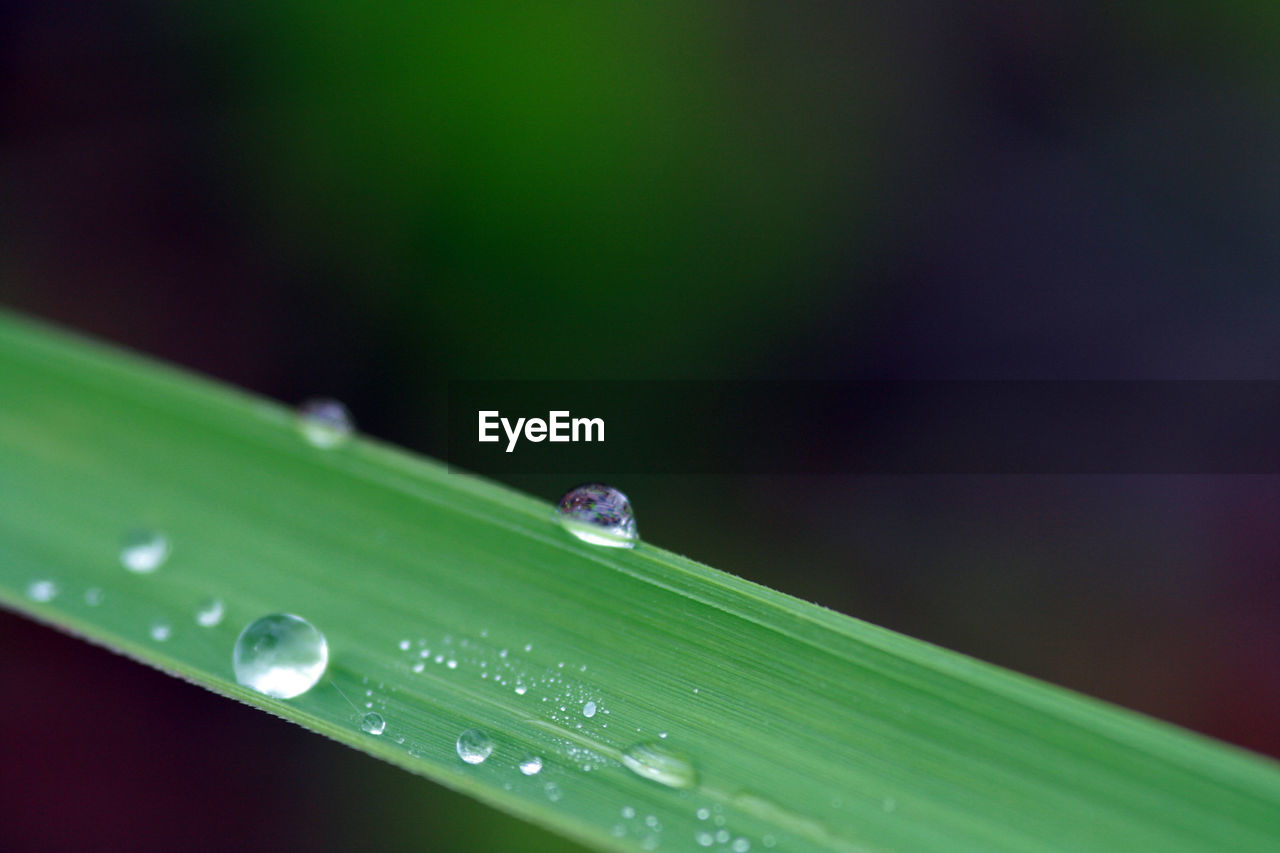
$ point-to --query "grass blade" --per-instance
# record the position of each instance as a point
(722, 713)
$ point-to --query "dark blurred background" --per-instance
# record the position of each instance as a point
(368, 201)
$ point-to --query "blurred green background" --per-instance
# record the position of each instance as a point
(366, 201)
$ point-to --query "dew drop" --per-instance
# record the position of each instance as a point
(210, 613)
(474, 746)
(93, 596)
(589, 709)
(598, 515)
(419, 666)
(740, 845)
(42, 590)
(654, 762)
(704, 839)
(531, 766)
(704, 813)
(325, 423)
(280, 655)
(723, 836)
(451, 663)
(521, 690)
(160, 631)
(628, 812)
(404, 645)
(143, 551)
(373, 724)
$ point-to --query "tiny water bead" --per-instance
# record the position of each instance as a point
(280, 655)
(144, 551)
(93, 596)
(598, 515)
(658, 764)
(531, 766)
(589, 709)
(160, 631)
(42, 590)
(325, 423)
(373, 724)
(474, 746)
(210, 613)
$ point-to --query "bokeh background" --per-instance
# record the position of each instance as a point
(366, 201)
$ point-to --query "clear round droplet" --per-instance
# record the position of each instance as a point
(589, 709)
(373, 724)
(280, 655)
(474, 746)
(160, 631)
(210, 613)
(531, 766)
(325, 423)
(42, 590)
(598, 515)
(657, 763)
(740, 845)
(143, 551)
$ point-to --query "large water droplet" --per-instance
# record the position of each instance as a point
(589, 709)
(474, 746)
(531, 766)
(280, 655)
(42, 590)
(373, 724)
(325, 423)
(210, 613)
(654, 762)
(599, 515)
(143, 551)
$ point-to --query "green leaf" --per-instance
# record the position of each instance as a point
(725, 714)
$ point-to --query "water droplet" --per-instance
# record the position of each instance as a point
(143, 551)
(628, 812)
(451, 663)
(652, 821)
(280, 655)
(704, 813)
(704, 839)
(93, 596)
(722, 836)
(598, 515)
(419, 666)
(662, 735)
(531, 766)
(521, 690)
(373, 724)
(474, 746)
(210, 613)
(553, 792)
(768, 841)
(589, 709)
(740, 845)
(160, 631)
(654, 762)
(325, 423)
(404, 645)
(42, 590)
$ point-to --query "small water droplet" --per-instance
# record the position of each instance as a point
(521, 690)
(704, 813)
(373, 724)
(768, 841)
(144, 551)
(325, 423)
(531, 766)
(404, 645)
(280, 655)
(662, 735)
(553, 792)
(93, 596)
(42, 590)
(419, 666)
(160, 631)
(628, 812)
(528, 647)
(723, 836)
(740, 845)
(210, 613)
(654, 762)
(474, 746)
(704, 839)
(598, 515)
(589, 709)
(451, 663)
(652, 821)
